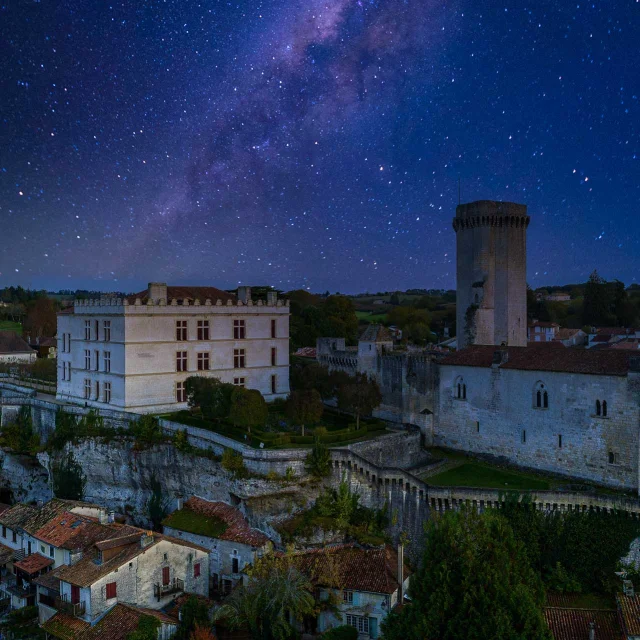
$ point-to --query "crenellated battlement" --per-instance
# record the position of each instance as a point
(119, 304)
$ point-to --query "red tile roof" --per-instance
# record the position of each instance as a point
(6, 554)
(188, 293)
(615, 331)
(61, 528)
(371, 570)
(574, 624)
(546, 325)
(33, 563)
(545, 357)
(238, 529)
(306, 352)
(122, 620)
(630, 612)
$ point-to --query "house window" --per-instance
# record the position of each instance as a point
(87, 359)
(112, 590)
(196, 570)
(181, 361)
(203, 361)
(238, 359)
(347, 596)
(107, 361)
(358, 622)
(97, 327)
(166, 576)
(51, 551)
(614, 457)
(4, 531)
(107, 392)
(106, 330)
(87, 329)
(97, 390)
(97, 361)
(273, 328)
(274, 356)
(239, 330)
(181, 330)
(274, 384)
(541, 396)
(234, 565)
(14, 536)
(181, 392)
(87, 388)
(203, 329)
(75, 594)
(239, 382)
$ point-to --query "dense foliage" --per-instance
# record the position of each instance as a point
(194, 613)
(19, 434)
(157, 505)
(68, 478)
(318, 462)
(248, 408)
(475, 582)
(342, 632)
(304, 407)
(233, 462)
(147, 629)
(360, 396)
(211, 396)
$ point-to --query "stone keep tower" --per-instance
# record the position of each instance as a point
(491, 298)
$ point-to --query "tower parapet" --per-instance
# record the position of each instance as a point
(491, 290)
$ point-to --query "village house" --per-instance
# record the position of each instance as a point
(608, 336)
(542, 331)
(571, 337)
(224, 531)
(135, 353)
(366, 584)
(15, 350)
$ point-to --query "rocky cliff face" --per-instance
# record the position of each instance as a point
(23, 479)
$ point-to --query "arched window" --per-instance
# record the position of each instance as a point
(598, 407)
(604, 408)
(464, 391)
(540, 396)
(460, 388)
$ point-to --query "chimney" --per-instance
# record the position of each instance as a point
(400, 573)
(157, 291)
(592, 631)
(244, 294)
(499, 357)
(103, 516)
(146, 539)
(272, 298)
(179, 502)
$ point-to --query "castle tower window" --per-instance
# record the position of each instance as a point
(460, 389)
(238, 358)
(181, 330)
(614, 458)
(540, 396)
(604, 408)
(559, 441)
(239, 330)
(203, 361)
(273, 328)
(87, 329)
(107, 392)
(524, 436)
(545, 400)
(203, 329)
(181, 361)
(464, 391)
(181, 392)
(87, 389)
(106, 326)
(598, 408)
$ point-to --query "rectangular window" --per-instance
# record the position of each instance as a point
(234, 565)
(181, 361)
(112, 590)
(274, 356)
(524, 436)
(239, 330)
(75, 594)
(347, 596)
(181, 392)
(106, 330)
(97, 326)
(14, 536)
(166, 576)
(97, 390)
(87, 359)
(87, 389)
(358, 622)
(181, 330)
(64, 343)
(274, 384)
(107, 361)
(203, 361)
(196, 570)
(51, 551)
(273, 328)
(238, 359)
(97, 362)
(239, 382)
(87, 329)
(107, 392)
(4, 531)
(68, 372)
(477, 427)
(203, 329)
(559, 441)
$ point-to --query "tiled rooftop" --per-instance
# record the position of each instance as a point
(188, 293)
(33, 563)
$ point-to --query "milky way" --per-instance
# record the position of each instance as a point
(315, 143)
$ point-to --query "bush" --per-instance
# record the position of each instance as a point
(343, 632)
(181, 441)
(68, 478)
(147, 430)
(234, 463)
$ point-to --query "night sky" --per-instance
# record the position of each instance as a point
(312, 143)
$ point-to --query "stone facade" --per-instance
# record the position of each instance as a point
(491, 288)
(134, 354)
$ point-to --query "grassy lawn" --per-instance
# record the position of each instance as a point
(8, 325)
(476, 474)
(196, 523)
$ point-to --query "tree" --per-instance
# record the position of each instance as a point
(147, 429)
(194, 613)
(342, 632)
(394, 299)
(313, 376)
(147, 629)
(202, 632)
(68, 478)
(474, 583)
(41, 318)
(304, 407)
(157, 505)
(318, 460)
(248, 408)
(20, 435)
(598, 302)
(277, 593)
(361, 396)
(210, 395)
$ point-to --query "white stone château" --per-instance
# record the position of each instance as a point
(135, 353)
